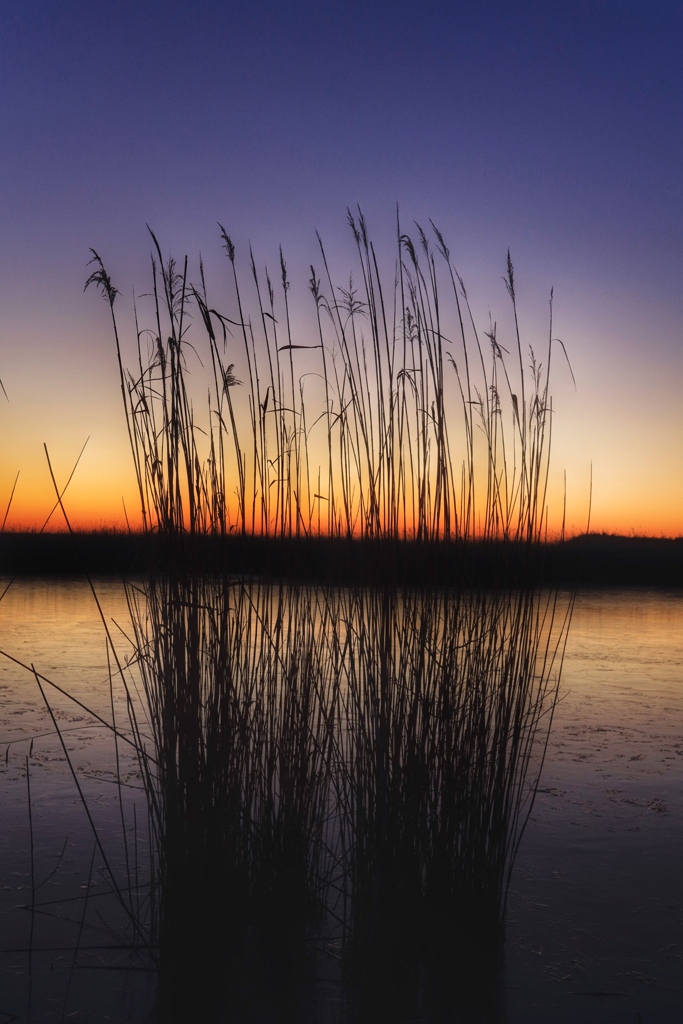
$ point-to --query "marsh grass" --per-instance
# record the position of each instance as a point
(424, 432)
(340, 769)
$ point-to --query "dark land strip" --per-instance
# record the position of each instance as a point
(586, 560)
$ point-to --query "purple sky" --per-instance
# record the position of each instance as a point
(556, 130)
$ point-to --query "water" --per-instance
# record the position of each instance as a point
(596, 909)
(55, 625)
(595, 917)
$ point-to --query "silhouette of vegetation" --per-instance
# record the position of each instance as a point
(339, 758)
(386, 456)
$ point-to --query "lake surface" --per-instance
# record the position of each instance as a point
(595, 910)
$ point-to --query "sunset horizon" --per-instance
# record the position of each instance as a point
(102, 488)
(341, 511)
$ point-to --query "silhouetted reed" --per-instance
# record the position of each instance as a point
(14, 485)
(360, 760)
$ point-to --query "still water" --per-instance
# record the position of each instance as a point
(595, 910)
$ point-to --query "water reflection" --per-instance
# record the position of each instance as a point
(353, 765)
(285, 965)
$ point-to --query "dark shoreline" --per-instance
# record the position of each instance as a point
(586, 560)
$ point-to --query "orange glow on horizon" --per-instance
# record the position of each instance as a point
(93, 517)
(99, 490)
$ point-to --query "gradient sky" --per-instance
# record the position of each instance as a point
(552, 129)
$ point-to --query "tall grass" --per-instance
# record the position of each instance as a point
(362, 757)
(423, 429)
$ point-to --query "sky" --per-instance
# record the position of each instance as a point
(554, 130)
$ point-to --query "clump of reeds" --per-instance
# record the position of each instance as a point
(424, 430)
(370, 751)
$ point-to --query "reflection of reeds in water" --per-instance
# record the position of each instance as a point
(361, 758)
(238, 697)
(358, 761)
(445, 694)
